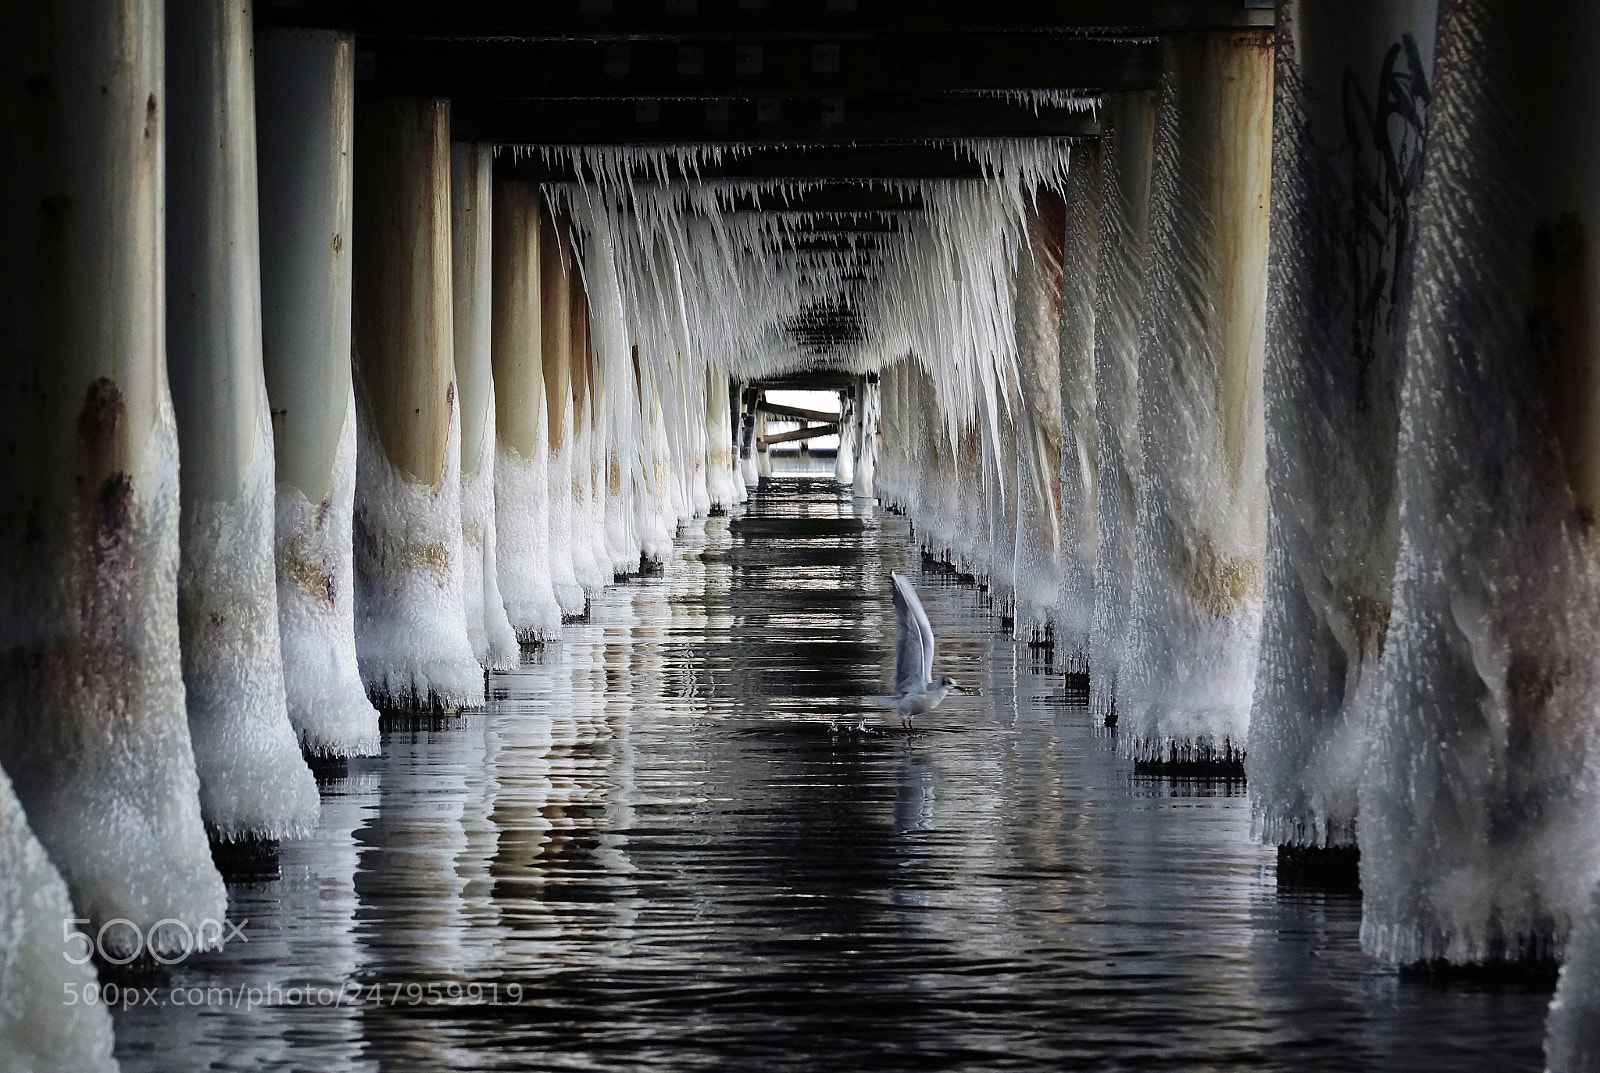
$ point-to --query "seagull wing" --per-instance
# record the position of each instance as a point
(913, 641)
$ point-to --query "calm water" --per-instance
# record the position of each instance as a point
(651, 853)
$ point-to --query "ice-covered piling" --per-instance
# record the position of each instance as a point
(1126, 143)
(254, 783)
(411, 630)
(555, 348)
(472, 236)
(844, 459)
(526, 526)
(719, 438)
(1478, 825)
(305, 113)
(1351, 109)
(866, 439)
(1038, 326)
(1079, 452)
(93, 729)
(1195, 609)
(590, 560)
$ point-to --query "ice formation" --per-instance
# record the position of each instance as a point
(40, 1031)
(1345, 180)
(327, 701)
(1126, 147)
(1195, 609)
(1572, 1033)
(411, 625)
(254, 782)
(1478, 823)
(1080, 439)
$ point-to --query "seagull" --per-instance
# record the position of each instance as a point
(915, 691)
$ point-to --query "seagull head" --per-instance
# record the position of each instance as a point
(946, 683)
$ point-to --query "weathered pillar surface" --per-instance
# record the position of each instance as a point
(305, 118)
(1080, 437)
(472, 236)
(522, 419)
(93, 729)
(253, 780)
(555, 349)
(1478, 824)
(1038, 330)
(37, 1029)
(1119, 301)
(1201, 526)
(411, 630)
(1351, 108)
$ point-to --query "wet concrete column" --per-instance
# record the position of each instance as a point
(525, 525)
(1038, 328)
(1200, 538)
(305, 120)
(1080, 439)
(254, 783)
(494, 642)
(1126, 144)
(1353, 96)
(555, 350)
(1478, 818)
(411, 630)
(93, 729)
